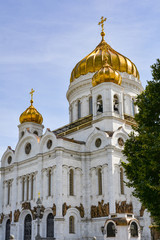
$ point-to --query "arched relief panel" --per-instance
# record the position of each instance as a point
(97, 140)
(78, 182)
(8, 158)
(27, 147)
(48, 141)
(65, 186)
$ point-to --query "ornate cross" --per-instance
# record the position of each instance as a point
(32, 91)
(102, 23)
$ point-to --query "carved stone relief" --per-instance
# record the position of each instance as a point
(124, 207)
(102, 210)
(65, 208)
(81, 210)
(1, 218)
(16, 215)
(141, 211)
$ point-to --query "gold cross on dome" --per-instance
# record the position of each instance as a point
(102, 23)
(31, 92)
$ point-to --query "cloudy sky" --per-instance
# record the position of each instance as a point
(42, 40)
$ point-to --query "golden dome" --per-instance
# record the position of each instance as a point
(31, 114)
(106, 74)
(95, 60)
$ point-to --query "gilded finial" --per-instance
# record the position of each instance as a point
(102, 25)
(32, 91)
(39, 195)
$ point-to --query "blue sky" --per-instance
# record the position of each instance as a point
(42, 40)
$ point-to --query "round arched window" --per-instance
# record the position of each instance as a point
(111, 230)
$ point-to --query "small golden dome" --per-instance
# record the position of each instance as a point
(94, 62)
(31, 114)
(106, 74)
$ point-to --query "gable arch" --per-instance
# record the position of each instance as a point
(4, 159)
(91, 141)
(45, 138)
(119, 133)
(20, 148)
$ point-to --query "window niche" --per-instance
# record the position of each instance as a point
(71, 182)
(90, 106)
(121, 181)
(79, 109)
(99, 181)
(71, 224)
(133, 107)
(99, 104)
(115, 104)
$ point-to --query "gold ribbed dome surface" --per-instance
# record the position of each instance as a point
(31, 114)
(95, 61)
(106, 74)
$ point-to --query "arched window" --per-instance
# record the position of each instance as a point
(9, 192)
(99, 182)
(115, 104)
(79, 109)
(133, 107)
(71, 182)
(49, 182)
(71, 113)
(90, 106)
(36, 133)
(71, 224)
(8, 225)
(99, 104)
(134, 229)
(121, 181)
(50, 225)
(28, 227)
(111, 230)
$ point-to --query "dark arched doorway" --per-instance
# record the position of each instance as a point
(28, 227)
(50, 225)
(8, 226)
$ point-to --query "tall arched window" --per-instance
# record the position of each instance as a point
(133, 107)
(71, 182)
(90, 105)
(99, 182)
(49, 182)
(134, 229)
(28, 227)
(71, 113)
(8, 225)
(99, 104)
(50, 225)
(111, 230)
(71, 224)
(115, 104)
(121, 181)
(79, 109)
(9, 192)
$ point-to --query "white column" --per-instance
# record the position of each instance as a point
(111, 188)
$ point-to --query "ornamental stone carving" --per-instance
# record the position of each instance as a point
(54, 209)
(65, 208)
(1, 218)
(141, 211)
(81, 210)
(10, 216)
(124, 207)
(16, 215)
(26, 205)
(102, 210)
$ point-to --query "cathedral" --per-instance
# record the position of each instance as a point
(75, 171)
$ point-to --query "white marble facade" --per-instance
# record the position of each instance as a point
(91, 153)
